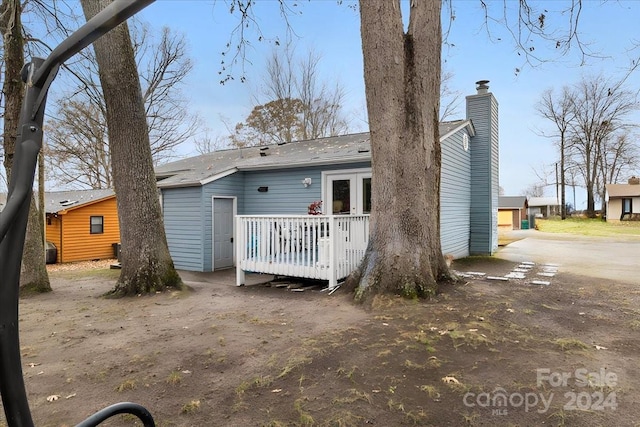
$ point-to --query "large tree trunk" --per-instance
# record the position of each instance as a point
(33, 276)
(402, 77)
(146, 262)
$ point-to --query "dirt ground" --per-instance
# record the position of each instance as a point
(483, 353)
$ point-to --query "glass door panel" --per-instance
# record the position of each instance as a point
(341, 196)
(366, 195)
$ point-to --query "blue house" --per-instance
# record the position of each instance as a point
(249, 207)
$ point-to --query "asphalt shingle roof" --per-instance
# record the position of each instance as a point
(195, 171)
(623, 190)
(511, 202)
(56, 201)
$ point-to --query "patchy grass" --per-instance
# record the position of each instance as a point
(190, 407)
(589, 227)
(569, 344)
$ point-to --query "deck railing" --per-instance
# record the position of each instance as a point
(315, 247)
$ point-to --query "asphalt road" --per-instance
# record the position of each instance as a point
(614, 258)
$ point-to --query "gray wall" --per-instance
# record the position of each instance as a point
(482, 109)
(183, 223)
(455, 196)
(286, 195)
(227, 186)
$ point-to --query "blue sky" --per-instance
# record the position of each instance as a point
(333, 31)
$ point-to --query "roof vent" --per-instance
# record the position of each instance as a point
(263, 151)
(68, 202)
(482, 86)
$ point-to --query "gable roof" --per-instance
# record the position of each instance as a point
(543, 201)
(512, 202)
(63, 201)
(623, 190)
(205, 168)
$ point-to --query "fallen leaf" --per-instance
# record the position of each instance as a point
(33, 365)
(53, 398)
(599, 347)
(510, 310)
(473, 330)
(276, 390)
(186, 371)
(70, 396)
(450, 380)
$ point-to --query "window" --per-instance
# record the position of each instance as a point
(96, 225)
(626, 206)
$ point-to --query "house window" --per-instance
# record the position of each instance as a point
(96, 224)
(626, 206)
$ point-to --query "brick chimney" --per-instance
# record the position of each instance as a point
(634, 180)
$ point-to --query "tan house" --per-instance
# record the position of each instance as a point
(82, 224)
(623, 201)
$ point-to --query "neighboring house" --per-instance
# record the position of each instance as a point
(543, 207)
(512, 212)
(82, 224)
(268, 191)
(623, 201)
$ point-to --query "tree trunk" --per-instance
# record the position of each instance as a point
(402, 79)
(146, 263)
(33, 275)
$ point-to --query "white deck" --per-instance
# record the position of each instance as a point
(316, 247)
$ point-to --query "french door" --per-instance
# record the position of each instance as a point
(347, 192)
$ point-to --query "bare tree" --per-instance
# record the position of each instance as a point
(561, 112)
(77, 148)
(33, 276)
(207, 143)
(601, 109)
(449, 98)
(535, 190)
(146, 262)
(294, 103)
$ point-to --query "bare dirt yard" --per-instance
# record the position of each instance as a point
(483, 353)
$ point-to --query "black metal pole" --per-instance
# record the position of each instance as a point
(38, 75)
(119, 408)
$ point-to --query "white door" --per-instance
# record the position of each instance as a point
(348, 193)
(222, 233)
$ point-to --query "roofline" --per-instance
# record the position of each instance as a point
(82, 205)
(319, 162)
(463, 124)
(197, 183)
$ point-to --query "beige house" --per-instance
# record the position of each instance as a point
(623, 201)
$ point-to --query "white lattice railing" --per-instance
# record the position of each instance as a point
(316, 247)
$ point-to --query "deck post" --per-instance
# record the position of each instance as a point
(241, 243)
(333, 238)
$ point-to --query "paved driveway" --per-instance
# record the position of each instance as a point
(615, 258)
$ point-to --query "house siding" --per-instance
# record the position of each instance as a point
(229, 186)
(287, 195)
(183, 223)
(614, 208)
(53, 234)
(71, 232)
(455, 197)
(482, 109)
